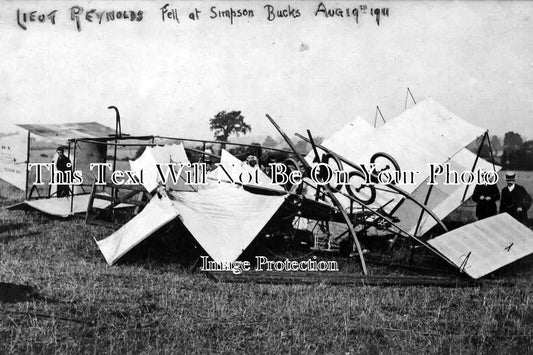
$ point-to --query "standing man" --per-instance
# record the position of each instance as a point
(485, 196)
(63, 164)
(515, 199)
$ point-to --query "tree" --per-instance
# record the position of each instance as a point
(227, 123)
(474, 147)
(303, 147)
(270, 142)
(524, 156)
(528, 147)
(512, 140)
(495, 144)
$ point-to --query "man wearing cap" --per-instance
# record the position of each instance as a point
(515, 199)
(63, 164)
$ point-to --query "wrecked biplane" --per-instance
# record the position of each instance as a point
(424, 135)
(225, 217)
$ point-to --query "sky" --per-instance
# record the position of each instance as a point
(311, 72)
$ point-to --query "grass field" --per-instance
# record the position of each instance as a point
(154, 303)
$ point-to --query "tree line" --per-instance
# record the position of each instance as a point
(512, 153)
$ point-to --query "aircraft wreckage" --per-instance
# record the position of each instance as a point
(225, 217)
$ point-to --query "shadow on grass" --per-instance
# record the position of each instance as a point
(12, 226)
(12, 238)
(20, 228)
(13, 293)
(518, 269)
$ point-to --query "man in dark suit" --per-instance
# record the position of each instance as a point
(63, 164)
(515, 199)
(485, 196)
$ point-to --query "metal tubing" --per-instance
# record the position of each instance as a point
(393, 187)
(326, 188)
(27, 164)
(475, 162)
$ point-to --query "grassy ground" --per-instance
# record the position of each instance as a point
(155, 304)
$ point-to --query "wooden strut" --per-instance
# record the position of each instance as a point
(326, 188)
(73, 168)
(485, 135)
(203, 152)
(337, 203)
(407, 94)
(465, 261)
(27, 169)
(491, 155)
(115, 200)
(150, 145)
(151, 138)
(223, 142)
(376, 116)
(69, 147)
(426, 200)
(118, 133)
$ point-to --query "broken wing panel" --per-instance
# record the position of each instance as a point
(444, 199)
(13, 160)
(147, 164)
(65, 131)
(484, 246)
(60, 207)
(155, 215)
(157, 155)
(426, 133)
(225, 219)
